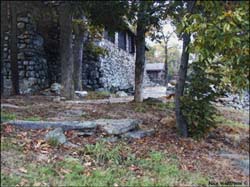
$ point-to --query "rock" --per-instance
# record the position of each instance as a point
(241, 161)
(56, 134)
(244, 165)
(65, 125)
(121, 94)
(56, 99)
(70, 145)
(72, 113)
(81, 93)
(173, 82)
(23, 19)
(110, 139)
(20, 25)
(138, 134)
(153, 100)
(100, 90)
(56, 88)
(116, 127)
(6, 105)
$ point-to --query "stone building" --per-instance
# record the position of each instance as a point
(155, 72)
(115, 70)
(39, 63)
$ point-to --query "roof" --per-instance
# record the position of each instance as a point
(154, 66)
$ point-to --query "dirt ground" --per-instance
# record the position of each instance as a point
(193, 155)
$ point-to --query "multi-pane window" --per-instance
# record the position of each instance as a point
(122, 40)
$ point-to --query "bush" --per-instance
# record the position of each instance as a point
(197, 101)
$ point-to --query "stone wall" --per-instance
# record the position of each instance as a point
(113, 71)
(39, 61)
(117, 68)
(91, 70)
(32, 64)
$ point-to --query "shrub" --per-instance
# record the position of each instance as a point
(196, 104)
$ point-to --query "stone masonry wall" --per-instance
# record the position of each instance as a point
(117, 68)
(32, 65)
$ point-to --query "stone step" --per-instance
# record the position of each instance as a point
(109, 126)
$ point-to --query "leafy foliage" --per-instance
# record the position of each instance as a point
(220, 32)
(197, 101)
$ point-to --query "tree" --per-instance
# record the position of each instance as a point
(182, 75)
(66, 55)
(79, 31)
(219, 30)
(145, 15)
(140, 51)
(220, 38)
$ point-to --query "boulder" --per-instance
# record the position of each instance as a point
(56, 88)
(138, 134)
(153, 100)
(121, 94)
(116, 127)
(81, 94)
(110, 139)
(56, 134)
(65, 125)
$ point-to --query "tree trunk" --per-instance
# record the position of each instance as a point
(140, 60)
(180, 119)
(78, 56)
(14, 49)
(166, 66)
(66, 56)
(4, 28)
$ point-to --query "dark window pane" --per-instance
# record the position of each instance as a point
(108, 35)
(131, 43)
(122, 40)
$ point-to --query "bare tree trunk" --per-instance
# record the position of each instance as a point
(166, 66)
(180, 119)
(14, 49)
(4, 28)
(78, 56)
(140, 61)
(66, 56)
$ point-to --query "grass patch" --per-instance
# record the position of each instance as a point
(9, 180)
(98, 95)
(110, 165)
(7, 116)
(53, 142)
(8, 144)
(220, 120)
(33, 118)
(103, 153)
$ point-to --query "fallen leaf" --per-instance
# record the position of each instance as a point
(23, 170)
(23, 182)
(65, 171)
(87, 164)
(37, 184)
(9, 129)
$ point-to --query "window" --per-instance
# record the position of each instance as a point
(122, 40)
(131, 44)
(108, 35)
